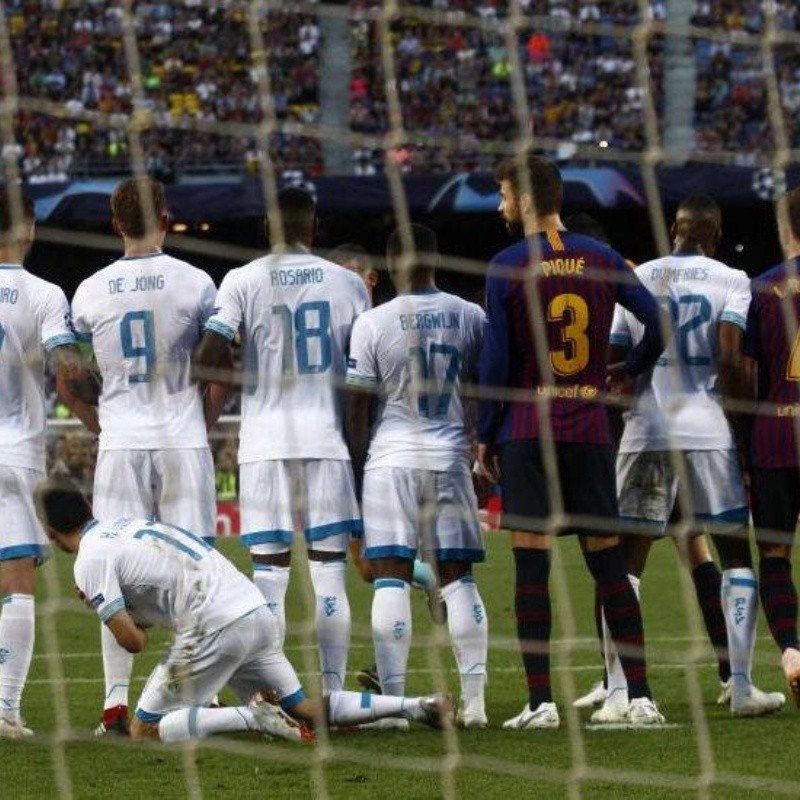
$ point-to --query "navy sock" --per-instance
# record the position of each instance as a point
(779, 600)
(707, 583)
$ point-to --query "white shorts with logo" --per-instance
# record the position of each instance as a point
(244, 655)
(174, 486)
(406, 510)
(648, 486)
(316, 496)
(21, 535)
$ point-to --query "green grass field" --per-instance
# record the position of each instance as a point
(705, 754)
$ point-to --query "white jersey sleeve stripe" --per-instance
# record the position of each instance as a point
(112, 609)
(621, 339)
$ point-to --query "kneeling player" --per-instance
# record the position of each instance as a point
(136, 573)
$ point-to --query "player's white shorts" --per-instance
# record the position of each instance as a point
(174, 486)
(314, 495)
(406, 510)
(244, 655)
(648, 486)
(21, 535)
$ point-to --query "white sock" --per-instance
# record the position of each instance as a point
(391, 632)
(423, 576)
(17, 623)
(117, 668)
(354, 708)
(616, 675)
(740, 606)
(469, 634)
(272, 582)
(197, 722)
(332, 621)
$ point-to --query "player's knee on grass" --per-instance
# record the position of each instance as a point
(734, 550)
(143, 730)
(393, 567)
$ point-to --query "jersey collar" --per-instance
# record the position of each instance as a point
(146, 255)
(11, 266)
(89, 525)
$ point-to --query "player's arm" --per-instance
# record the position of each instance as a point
(127, 633)
(732, 372)
(78, 385)
(632, 295)
(493, 371)
(362, 381)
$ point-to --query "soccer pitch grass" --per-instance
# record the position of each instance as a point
(752, 758)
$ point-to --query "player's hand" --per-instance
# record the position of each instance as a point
(488, 463)
(618, 382)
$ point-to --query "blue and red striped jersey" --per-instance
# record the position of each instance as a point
(773, 340)
(573, 282)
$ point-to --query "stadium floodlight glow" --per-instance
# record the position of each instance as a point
(205, 226)
(603, 143)
(179, 227)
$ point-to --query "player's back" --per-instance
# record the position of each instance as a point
(773, 341)
(577, 283)
(677, 404)
(296, 312)
(33, 319)
(420, 347)
(162, 575)
(144, 317)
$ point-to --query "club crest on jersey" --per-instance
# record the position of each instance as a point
(399, 629)
(329, 605)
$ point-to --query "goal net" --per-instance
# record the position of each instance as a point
(398, 93)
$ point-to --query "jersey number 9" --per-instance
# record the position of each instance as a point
(138, 338)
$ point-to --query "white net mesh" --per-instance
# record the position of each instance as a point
(284, 92)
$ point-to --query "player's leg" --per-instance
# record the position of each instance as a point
(391, 502)
(23, 544)
(123, 486)
(721, 505)
(265, 504)
(457, 543)
(526, 506)
(776, 503)
(331, 517)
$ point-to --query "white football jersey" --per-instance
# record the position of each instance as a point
(295, 312)
(161, 575)
(677, 406)
(34, 318)
(144, 316)
(416, 350)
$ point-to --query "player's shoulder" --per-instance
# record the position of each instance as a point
(766, 280)
(515, 255)
(38, 287)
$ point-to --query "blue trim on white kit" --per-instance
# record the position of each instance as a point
(86, 338)
(334, 529)
(35, 551)
(58, 340)
(112, 608)
(736, 319)
(147, 716)
(390, 551)
(266, 537)
(749, 582)
(621, 339)
(290, 701)
(469, 554)
(733, 515)
(221, 328)
(142, 257)
(389, 583)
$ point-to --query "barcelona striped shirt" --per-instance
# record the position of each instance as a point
(573, 282)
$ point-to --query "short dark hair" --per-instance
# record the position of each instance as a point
(131, 202)
(587, 225)
(60, 504)
(426, 248)
(702, 220)
(349, 251)
(7, 219)
(546, 186)
(298, 210)
(790, 206)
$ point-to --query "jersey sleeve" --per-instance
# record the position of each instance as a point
(634, 296)
(751, 333)
(494, 362)
(362, 366)
(97, 583)
(737, 303)
(208, 296)
(79, 319)
(228, 311)
(56, 330)
(620, 329)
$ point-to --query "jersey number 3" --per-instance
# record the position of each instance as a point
(570, 310)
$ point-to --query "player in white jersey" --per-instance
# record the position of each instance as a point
(34, 323)
(678, 459)
(136, 573)
(295, 312)
(143, 315)
(414, 353)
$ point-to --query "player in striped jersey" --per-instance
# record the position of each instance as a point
(773, 350)
(414, 353)
(34, 325)
(550, 302)
(143, 315)
(678, 460)
(295, 311)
